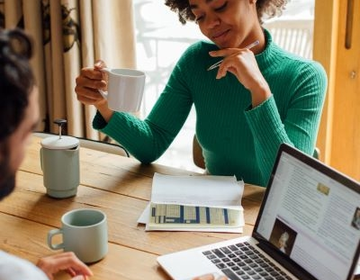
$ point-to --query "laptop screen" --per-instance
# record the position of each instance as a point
(311, 216)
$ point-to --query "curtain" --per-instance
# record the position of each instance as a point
(69, 35)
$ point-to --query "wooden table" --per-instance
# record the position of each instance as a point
(120, 187)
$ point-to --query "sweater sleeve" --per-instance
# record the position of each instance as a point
(148, 139)
(297, 125)
(15, 268)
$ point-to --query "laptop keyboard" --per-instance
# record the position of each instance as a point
(243, 261)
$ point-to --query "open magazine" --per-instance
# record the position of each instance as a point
(195, 203)
(173, 216)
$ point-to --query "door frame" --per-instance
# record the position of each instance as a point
(325, 51)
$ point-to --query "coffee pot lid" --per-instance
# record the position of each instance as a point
(60, 143)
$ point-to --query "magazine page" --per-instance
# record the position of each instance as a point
(195, 203)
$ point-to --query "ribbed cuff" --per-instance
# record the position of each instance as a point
(98, 121)
(264, 120)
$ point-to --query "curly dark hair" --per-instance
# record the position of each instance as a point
(270, 8)
(16, 79)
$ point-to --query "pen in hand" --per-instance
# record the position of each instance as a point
(219, 62)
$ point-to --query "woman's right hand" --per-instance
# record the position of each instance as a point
(87, 88)
(89, 82)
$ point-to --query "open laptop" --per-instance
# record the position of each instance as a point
(308, 227)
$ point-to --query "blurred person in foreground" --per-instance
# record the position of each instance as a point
(19, 116)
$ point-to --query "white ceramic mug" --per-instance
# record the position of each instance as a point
(125, 89)
(84, 232)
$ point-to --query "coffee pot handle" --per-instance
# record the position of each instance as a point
(60, 123)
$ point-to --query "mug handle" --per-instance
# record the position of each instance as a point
(50, 236)
(104, 93)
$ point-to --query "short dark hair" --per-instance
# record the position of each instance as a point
(270, 8)
(16, 79)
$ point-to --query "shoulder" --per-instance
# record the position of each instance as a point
(305, 66)
(306, 71)
(275, 57)
(12, 267)
(278, 66)
(295, 64)
(305, 76)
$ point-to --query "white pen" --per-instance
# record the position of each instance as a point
(219, 62)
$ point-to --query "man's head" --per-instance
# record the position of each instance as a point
(19, 112)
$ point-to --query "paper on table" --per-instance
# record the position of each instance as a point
(209, 191)
(202, 190)
(144, 219)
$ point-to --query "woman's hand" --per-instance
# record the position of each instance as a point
(242, 63)
(210, 277)
(87, 88)
(64, 262)
(89, 82)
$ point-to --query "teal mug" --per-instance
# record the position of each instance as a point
(59, 158)
(84, 232)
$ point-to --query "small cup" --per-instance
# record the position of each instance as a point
(84, 232)
(125, 89)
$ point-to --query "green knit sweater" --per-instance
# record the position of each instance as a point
(236, 139)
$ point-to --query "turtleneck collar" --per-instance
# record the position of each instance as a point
(270, 57)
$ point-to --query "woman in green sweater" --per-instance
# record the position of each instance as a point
(254, 101)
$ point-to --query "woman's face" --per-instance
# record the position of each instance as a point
(228, 23)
